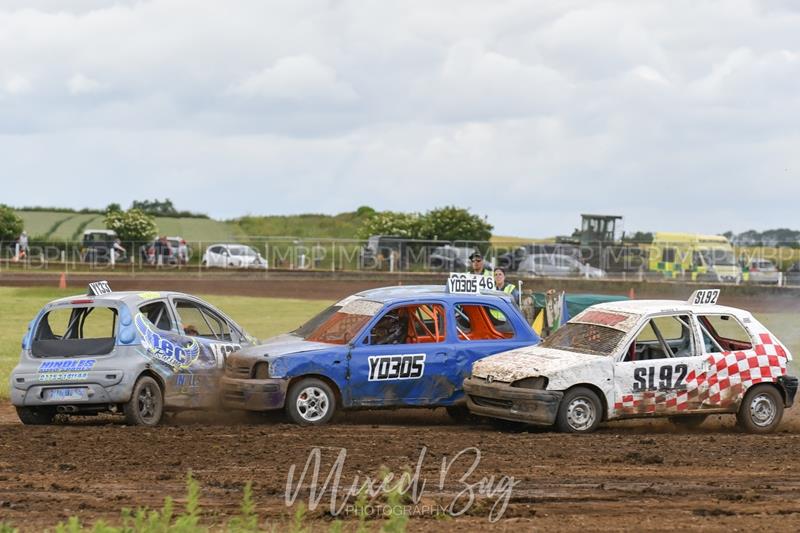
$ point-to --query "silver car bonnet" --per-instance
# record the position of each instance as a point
(528, 362)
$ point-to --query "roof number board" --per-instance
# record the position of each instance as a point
(460, 283)
(99, 287)
(704, 296)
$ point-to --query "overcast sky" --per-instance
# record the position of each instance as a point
(679, 115)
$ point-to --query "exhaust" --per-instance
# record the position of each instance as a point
(66, 409)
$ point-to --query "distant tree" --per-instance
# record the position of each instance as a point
(453, 223)
(158, 208)
(132, 225)
(10, 224)
(728, 235)
(406, 225)
(639, 236)
(113, 208)
(364, 211)
(445, 223)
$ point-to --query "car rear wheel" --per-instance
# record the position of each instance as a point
(36, 416)
(146, 406)
(761, 410)
(688, 421)
(580, 411)
(310, 402)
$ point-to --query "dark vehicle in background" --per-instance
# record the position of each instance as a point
(98, 245)
(558, 266)
(390, 252)
(793, 274)
(171, 254)
(511, 260)
(450, 258)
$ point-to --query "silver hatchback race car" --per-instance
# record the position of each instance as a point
(138, 353)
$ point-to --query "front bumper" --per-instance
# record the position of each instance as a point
(501, 400)
(789, 385)
(253, 394)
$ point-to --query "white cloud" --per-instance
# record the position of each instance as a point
(300, 79)
(634, 108)
(80, 84)
(16, 84)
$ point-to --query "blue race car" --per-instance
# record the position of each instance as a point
(408, 346)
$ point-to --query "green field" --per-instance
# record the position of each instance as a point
(62, 226)
(262, 317)
(341, 226)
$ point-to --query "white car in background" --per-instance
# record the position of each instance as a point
(233, 256)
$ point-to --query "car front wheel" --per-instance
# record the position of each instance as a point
(146, 406)
(580, 411)
(310, 402)
(761, 410)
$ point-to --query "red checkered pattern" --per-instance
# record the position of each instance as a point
(723, 384)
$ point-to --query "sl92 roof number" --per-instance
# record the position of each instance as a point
(469, 283)
(704, 297)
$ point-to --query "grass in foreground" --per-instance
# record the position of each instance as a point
(165, 520)
(261, 317)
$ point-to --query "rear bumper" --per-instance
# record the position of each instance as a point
(253, 394)
(501, 400)
(93, 394)
(789, 386)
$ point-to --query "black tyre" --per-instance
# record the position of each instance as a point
(461, 415)
(146, 406)
(688, 421)
(510, 426)
(310, 402)
(761, 410)
(36, 416)
(580, 411)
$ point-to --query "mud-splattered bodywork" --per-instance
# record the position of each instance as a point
(366, 375)
(521, 384)
(187, 367)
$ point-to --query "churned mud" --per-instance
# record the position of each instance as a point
(633, 475)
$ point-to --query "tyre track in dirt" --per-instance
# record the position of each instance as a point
(633, 475)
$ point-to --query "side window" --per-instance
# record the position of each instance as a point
(411, 324)
(197, 321)
(158, 314)
(662, 337)
(723, 333)
(668, 255)
(475, 322)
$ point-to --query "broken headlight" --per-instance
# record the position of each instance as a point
(539, 383)
(261, 371)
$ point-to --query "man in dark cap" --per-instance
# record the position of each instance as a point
(478, 267)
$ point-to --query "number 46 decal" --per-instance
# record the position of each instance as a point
(667, 376)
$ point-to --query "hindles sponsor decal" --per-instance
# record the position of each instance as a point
(164, 349)
(65, 370)
(384, 367)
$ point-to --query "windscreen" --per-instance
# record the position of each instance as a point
(585, 338)
(340, 323)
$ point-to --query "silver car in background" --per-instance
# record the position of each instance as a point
(763, 271)
(557, 266)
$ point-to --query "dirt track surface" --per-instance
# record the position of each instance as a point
(633, 475)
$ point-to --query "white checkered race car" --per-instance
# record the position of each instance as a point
(641, 358)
